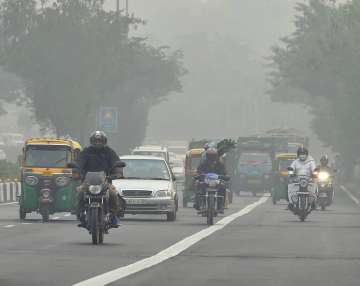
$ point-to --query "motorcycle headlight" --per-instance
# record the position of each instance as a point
(323, 176)
(31, 180)
(62, 181)
(303, 183)
(163, 193)
(95, 190)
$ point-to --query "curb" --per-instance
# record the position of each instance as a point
(9, 191)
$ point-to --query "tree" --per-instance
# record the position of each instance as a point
(75, 57)
(321, 58)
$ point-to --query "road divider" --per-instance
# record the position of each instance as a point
(9, 191)
(170, 252)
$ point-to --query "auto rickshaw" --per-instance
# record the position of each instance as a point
(47, 184)
(192, 162)
(280, 187)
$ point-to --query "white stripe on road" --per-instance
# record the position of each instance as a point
(355, 199)
(9, 226)
(56, 218)
(68, 214)
(169, 252)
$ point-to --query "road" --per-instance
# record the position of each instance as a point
(267, 246)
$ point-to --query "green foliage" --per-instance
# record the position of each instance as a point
(9, 170)
(74, 57)
(319, 66)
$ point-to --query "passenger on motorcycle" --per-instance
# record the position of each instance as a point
(96, 158)
(304, 165)
(211, 164)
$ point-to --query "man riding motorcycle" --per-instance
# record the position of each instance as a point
(96, 158)
(211, 164)
(304, 165)
(325, 168)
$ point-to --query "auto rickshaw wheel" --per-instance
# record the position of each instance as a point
(185, 202)
(45, 213)
(22, 213)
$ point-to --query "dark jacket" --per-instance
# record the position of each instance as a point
(212, 167)
(97, 159)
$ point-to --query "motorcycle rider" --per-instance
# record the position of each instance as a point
(324, 165)
(96, 158)
(211, 164)
(304, 165)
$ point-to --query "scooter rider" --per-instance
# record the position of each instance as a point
(211, 164)
(324, 165)
(304, 165)
(96, 158)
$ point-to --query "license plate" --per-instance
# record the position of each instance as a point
(136, 201)
(323, 195)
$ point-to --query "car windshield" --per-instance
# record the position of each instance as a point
(151, 153)
(47, 156)
(146, 169)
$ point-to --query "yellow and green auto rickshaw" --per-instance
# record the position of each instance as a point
(47, 185)
(192, 162)
(280, 187)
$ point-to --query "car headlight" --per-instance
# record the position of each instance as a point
(62, 181)
(323, 176)
(163, 193)
(31, 180)
(95, 190)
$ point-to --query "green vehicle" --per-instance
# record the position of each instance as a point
(280, 187)
(47, 185)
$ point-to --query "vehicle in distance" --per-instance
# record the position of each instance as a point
(148, 186)
(152, 150)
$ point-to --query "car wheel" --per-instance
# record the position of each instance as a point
(171, 216)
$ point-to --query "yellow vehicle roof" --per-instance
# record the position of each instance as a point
(197, 151)
(286, 156)
(53, 141)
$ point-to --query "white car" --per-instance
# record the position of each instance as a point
(148, 186)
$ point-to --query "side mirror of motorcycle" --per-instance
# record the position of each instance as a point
(290, 169)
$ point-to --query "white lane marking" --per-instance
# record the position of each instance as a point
(68, 214)
(9, 226)
(56, 218)
(351, 196)
(169, 252)
(8, 204)
(26, 223)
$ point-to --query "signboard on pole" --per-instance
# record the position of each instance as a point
(108, 119)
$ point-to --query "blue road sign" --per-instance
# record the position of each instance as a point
(108, 119)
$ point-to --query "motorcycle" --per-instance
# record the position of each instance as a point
(325, 194)
(300, 194)
(209, 199)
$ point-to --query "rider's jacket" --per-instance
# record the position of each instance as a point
(216, 167)
(93, 159)
(304, 168)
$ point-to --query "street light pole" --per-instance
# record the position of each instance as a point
(118, 8)
(127, 7)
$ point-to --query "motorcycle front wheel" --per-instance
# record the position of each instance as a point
(96, 233)
(211, 209)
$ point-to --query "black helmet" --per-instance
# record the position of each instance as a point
(324, 160)
(98, 139)
(302, 151)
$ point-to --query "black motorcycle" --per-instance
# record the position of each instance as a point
(325, 185)
(210, 202)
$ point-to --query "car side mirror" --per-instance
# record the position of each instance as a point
(290, 169)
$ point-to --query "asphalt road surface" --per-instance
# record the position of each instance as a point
(261, 245)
